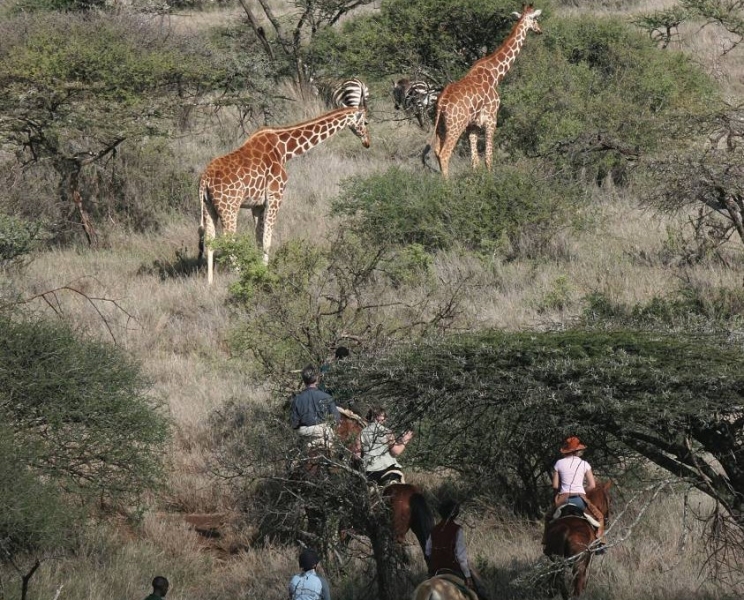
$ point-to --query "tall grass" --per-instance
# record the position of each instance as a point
(157, 305)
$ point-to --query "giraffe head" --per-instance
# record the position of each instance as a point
(358, 125)
(529, 14)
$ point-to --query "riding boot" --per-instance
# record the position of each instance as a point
(601, 548)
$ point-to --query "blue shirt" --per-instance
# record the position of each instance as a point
(312, 407)
(309, 586)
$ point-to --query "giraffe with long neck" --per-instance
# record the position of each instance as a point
(472, 103)
(254, 176)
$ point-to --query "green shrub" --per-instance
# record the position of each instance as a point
(594, 95)
(80, 432)
(442, 36)
(17, 240)
(482, 212)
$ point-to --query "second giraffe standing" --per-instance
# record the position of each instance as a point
(473, 102)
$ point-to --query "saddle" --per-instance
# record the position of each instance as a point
(571, 510)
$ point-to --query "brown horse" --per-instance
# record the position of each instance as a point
(571, 538)
(410, 510)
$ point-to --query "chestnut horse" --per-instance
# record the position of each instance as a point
(409, 508)
(571, 537)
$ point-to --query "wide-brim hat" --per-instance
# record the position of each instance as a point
(572, 444)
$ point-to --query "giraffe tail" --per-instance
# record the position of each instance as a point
(435, 142)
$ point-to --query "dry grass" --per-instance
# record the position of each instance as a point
(166, 315)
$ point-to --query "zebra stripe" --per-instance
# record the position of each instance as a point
(352, 92)
(417, 98)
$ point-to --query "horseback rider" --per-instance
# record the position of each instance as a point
(445, 550)
(312, 411)
(380, 449)
(569, 474)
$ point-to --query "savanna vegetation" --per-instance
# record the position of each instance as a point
(590, 284)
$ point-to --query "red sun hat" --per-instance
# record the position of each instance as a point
(572, 444)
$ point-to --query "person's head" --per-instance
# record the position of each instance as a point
(376, 413)
(309, 375)
(341, 352)
(449, 508)
(160, 586)
(308, 559)
(572, 445)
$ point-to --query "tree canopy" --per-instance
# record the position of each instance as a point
(79, 432)
(494, 406)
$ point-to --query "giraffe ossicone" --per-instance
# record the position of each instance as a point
(254, 176)
(472, 103)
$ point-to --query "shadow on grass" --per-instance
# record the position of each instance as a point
(182, 265)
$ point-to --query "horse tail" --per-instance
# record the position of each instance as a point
(557, 542)
(422, 519)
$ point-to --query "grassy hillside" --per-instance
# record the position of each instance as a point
(157, 305)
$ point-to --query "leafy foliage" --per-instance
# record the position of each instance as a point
(493, 405)
(315, 299)
(83, 410)
(594, 96)
(441, 37)
(17, 239)
(74, 88)
(482, 212)
(79, 433)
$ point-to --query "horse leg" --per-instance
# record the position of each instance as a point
(580, 576)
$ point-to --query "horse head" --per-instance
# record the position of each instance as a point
(349, 430)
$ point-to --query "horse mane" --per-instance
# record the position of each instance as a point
(350, 414)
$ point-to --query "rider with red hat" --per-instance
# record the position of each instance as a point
(569, 476)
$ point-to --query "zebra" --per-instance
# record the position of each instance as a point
(352, 92)
(417, 98)
(348, 93)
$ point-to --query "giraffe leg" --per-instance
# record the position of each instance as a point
(207, 234)
(259, 220)
(446, 148)
(490, 127)
(490, 132)
(473, 138)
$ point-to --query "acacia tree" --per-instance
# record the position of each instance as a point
(74, 87)
(289, 38)
(707, 176)
(494, 406)
(80, 433)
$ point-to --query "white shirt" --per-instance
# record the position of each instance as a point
(375, 440)
(571, 471)
(308, 586)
